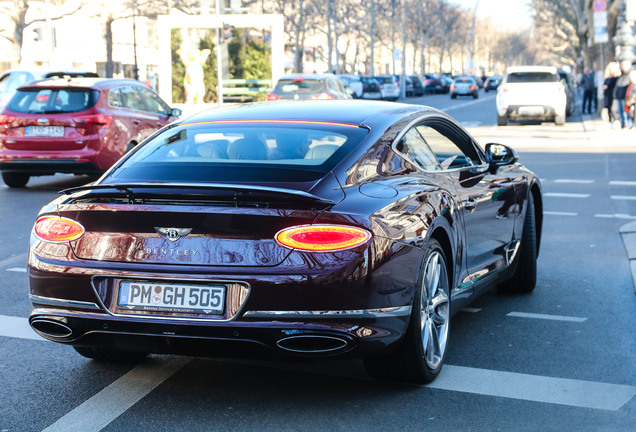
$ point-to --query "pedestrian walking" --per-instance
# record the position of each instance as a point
(620, 93)
(587, 84)
(611, 74)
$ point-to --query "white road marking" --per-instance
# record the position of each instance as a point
(471, 124)
(562, 391)
(559, 213)
(574, 181)
(565, 195)
(622, 183)
(17, 327)
(18, 259)
(17, 270)
(614, 216)
(547, 317)
(465, 104)
(471, 310)
(97, 412)
(623, 197)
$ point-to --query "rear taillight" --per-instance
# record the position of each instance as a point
(323, 95)
(91, 123)
(6, 120)
(57, 229)
(322, 238)
(472, 88)
(272, 97)
(452, 87)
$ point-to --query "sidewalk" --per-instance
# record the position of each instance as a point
(594, 124)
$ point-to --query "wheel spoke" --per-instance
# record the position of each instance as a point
(433, 346)
(426, 330)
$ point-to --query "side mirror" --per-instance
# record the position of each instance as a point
(500, 155)
(175, 112)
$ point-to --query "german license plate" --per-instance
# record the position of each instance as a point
(171, 298)
(45, 131)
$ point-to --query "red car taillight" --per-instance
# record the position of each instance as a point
(323, 95)
(57, 229)
(322, 238)
(91, 123)
(472, 88)
(272, 97)
(5, 120)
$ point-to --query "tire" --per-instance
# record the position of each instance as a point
(502, 120)
(453, 96)
(475, 96)
(131, 145)
(420, 356)
(109, 355)
(559, 120)
(15, 179)
(524, 278)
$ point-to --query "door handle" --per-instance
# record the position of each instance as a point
(471, 204)
(136, 121)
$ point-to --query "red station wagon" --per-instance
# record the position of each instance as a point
(78, 126)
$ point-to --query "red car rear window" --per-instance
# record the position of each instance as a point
(52, 100)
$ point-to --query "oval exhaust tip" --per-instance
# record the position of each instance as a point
(51, 328)
(312, 344)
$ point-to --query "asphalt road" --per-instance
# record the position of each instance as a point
(561, 358)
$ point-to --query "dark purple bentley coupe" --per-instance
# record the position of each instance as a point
(326, 229)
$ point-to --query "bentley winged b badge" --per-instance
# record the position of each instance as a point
(173, 234)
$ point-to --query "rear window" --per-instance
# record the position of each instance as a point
(467, 80)
(386, 80)
(531, 77)
(300, 86)
(52, 100)
(244, 151)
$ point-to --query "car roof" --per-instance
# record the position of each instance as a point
(352, 112)
(97, 83)
(517, 69)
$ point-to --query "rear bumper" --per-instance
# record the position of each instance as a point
(523, 112)
(49, 166)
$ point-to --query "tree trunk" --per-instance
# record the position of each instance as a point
(371, 33)
(330, 68)
(110, 66)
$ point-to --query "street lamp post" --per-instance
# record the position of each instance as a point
(134, 11)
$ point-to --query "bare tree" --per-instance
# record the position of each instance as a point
(16, 12)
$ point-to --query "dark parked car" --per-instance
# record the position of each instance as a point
(432, 83)
(418, 86)
(371, 88)
(78, 126)
(309, 86)
(446, 83)
(492, 82)
(312, 230)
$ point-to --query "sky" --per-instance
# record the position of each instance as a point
(511, 14)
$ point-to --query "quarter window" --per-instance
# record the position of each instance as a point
(114, 98)
(448, 153)
(413, 145)
(132, 99)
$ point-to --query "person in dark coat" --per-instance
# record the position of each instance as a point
(587, 84)
(611, 74)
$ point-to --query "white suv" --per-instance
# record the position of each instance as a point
(531, 93)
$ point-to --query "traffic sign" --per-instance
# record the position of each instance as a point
(599, 5)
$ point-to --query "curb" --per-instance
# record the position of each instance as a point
(628, 232)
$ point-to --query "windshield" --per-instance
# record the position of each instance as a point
(241, 152)
(531, 77)
(299, 85)
(49, 101)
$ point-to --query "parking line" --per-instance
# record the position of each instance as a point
(623, 197)
(622, 183)
(614, 216)
(574, 181)
(97, 412)
(565, 195)
(546, 317)
(17, 327)
(562, 391)
(17, 270)
(551, 213)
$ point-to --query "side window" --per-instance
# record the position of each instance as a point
(413, 146)
(449, 154)
(154, 102)
(132, 99)
(114, 98)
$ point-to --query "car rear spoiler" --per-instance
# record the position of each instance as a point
(240, 190)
